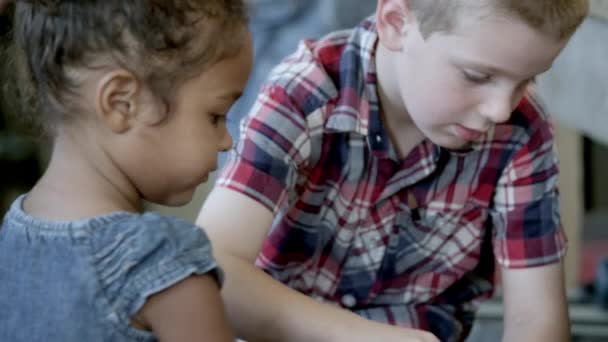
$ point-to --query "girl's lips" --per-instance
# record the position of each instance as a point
(206, 176)
(467, 133)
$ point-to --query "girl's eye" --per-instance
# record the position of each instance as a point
(216, 119)
(475, 77)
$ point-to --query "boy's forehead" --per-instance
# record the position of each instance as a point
(500, 43)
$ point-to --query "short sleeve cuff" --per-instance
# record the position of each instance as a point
(166, 274)
(243, 177)
(531, 252)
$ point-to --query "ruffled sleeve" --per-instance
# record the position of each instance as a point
(145, 254)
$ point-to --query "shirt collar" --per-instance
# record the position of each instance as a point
(358, 107)
(358, 97)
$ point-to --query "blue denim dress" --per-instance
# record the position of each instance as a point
(83, 280)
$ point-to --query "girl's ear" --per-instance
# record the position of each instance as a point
(392, 20)
(117, 99)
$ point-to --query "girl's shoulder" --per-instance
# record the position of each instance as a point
(143, 254)
(127, 256)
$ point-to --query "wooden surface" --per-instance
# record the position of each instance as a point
(599, 8)
(576, 88)
(570, 149)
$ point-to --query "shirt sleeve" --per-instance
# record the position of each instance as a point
(526, 214)
(282, 135)
(147, 254)
(273, 147)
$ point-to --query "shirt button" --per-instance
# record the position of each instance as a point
(378, 138)
(349, 301)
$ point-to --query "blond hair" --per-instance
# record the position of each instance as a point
(558, 18)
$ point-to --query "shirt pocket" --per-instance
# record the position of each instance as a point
(445, 240)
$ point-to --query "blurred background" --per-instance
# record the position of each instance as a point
(575, 91)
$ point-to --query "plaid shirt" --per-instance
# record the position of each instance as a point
(411, 242)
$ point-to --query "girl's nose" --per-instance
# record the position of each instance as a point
(226, 142)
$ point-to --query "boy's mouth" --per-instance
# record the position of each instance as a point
(466, 133)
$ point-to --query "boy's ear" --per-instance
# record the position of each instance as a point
(116, 99)
(392, 19)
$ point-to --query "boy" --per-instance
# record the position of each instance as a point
(383, 171)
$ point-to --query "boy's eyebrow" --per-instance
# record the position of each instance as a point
(490, 68)
(480, 65)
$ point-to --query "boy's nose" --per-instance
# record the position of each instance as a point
(498, 108)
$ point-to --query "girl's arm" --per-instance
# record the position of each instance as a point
(191, 310)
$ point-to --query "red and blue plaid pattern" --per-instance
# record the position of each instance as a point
(410, 242)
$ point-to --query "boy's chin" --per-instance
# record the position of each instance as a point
(462, 149)
(454, 144)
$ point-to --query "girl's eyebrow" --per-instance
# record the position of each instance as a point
(232, 96)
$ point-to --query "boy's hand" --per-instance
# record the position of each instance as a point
(397, 334)
(374, 331)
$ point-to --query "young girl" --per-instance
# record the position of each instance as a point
(134, 95)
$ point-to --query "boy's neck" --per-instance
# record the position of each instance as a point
(79, 184)
(401, 129)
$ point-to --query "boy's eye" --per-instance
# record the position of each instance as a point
(527, 82)
(475, 77)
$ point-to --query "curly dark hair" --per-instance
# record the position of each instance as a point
(162, 42)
